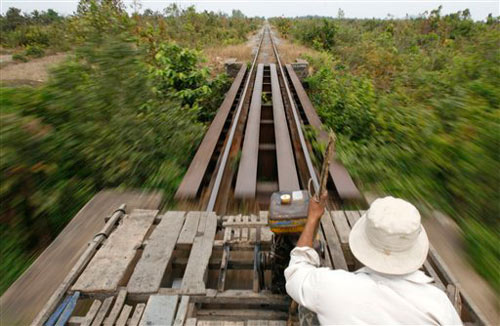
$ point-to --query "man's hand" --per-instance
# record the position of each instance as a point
(313, 217)
(316, 209)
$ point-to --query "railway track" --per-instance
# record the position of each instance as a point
(256, 144)
(212, 263)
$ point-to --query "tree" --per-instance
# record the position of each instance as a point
(13, 19)
(340, 14)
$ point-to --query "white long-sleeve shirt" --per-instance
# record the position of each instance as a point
(365, 297)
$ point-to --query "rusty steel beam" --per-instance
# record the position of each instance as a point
(287, 171)
(346, 189)
(246, 180)
(193, 178)
(229, 143)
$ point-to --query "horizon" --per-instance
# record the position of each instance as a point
(359, 9)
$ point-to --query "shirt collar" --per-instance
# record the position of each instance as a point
(415, 277)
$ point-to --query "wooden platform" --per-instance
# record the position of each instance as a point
(29, 293)
(195, 268)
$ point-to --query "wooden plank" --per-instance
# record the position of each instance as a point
(277, 323)
(193, 178)
(327, 261)
(75, 321)
(266, 235)
(117, 307)
(256, 274)
(249, 224)
(157, 255)
(191, 322)
(258, 323)
(266, 323)
(228, 234)
(432, 273)
(288, 179)
(106, 304)
(160, 310)
(252, 232)
(246, 180)
(247, 297)
(352, 217)
(136, 316)
(245, 222)
(236, 234)
(203, 223)
(94, 308)
(188, 232)
(108, 267)
(242, 313)
(122, 320)
(342, 228)
(210, 323)
(236, 231)
(196, 269)
(220, 323)
(182, 310)
(333, 242)
(263, 216)
(454, 296)
(243, 246)
(68, 310)
(244, 234)
(223, 267)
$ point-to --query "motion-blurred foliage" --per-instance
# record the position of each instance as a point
(415, 103)
(127, 109)
(51, 31)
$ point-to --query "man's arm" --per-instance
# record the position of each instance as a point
(313, 218)
(301, 274)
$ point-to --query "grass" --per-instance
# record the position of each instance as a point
(216, 56)
(291, 51)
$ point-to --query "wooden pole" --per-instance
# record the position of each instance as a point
(330, 148)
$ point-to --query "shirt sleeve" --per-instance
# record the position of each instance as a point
(300, 276)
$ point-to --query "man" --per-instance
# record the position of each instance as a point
(392, 244)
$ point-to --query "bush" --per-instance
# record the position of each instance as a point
(19, 57)
(415, 104)
(114, 115)
(34, 51)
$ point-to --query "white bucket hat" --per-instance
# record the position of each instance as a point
(389, 238)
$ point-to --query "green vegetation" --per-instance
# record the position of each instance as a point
(415, 104)
(47, 30)
(126, 109)
(39, 30)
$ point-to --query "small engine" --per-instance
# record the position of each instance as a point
(287, 218)
(288, 212)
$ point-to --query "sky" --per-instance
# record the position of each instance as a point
(271, 8)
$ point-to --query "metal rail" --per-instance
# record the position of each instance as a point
(302, 139)
(222, 167)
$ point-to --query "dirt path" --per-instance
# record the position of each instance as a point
(27, 296)
(445, 236)
(29, 73)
